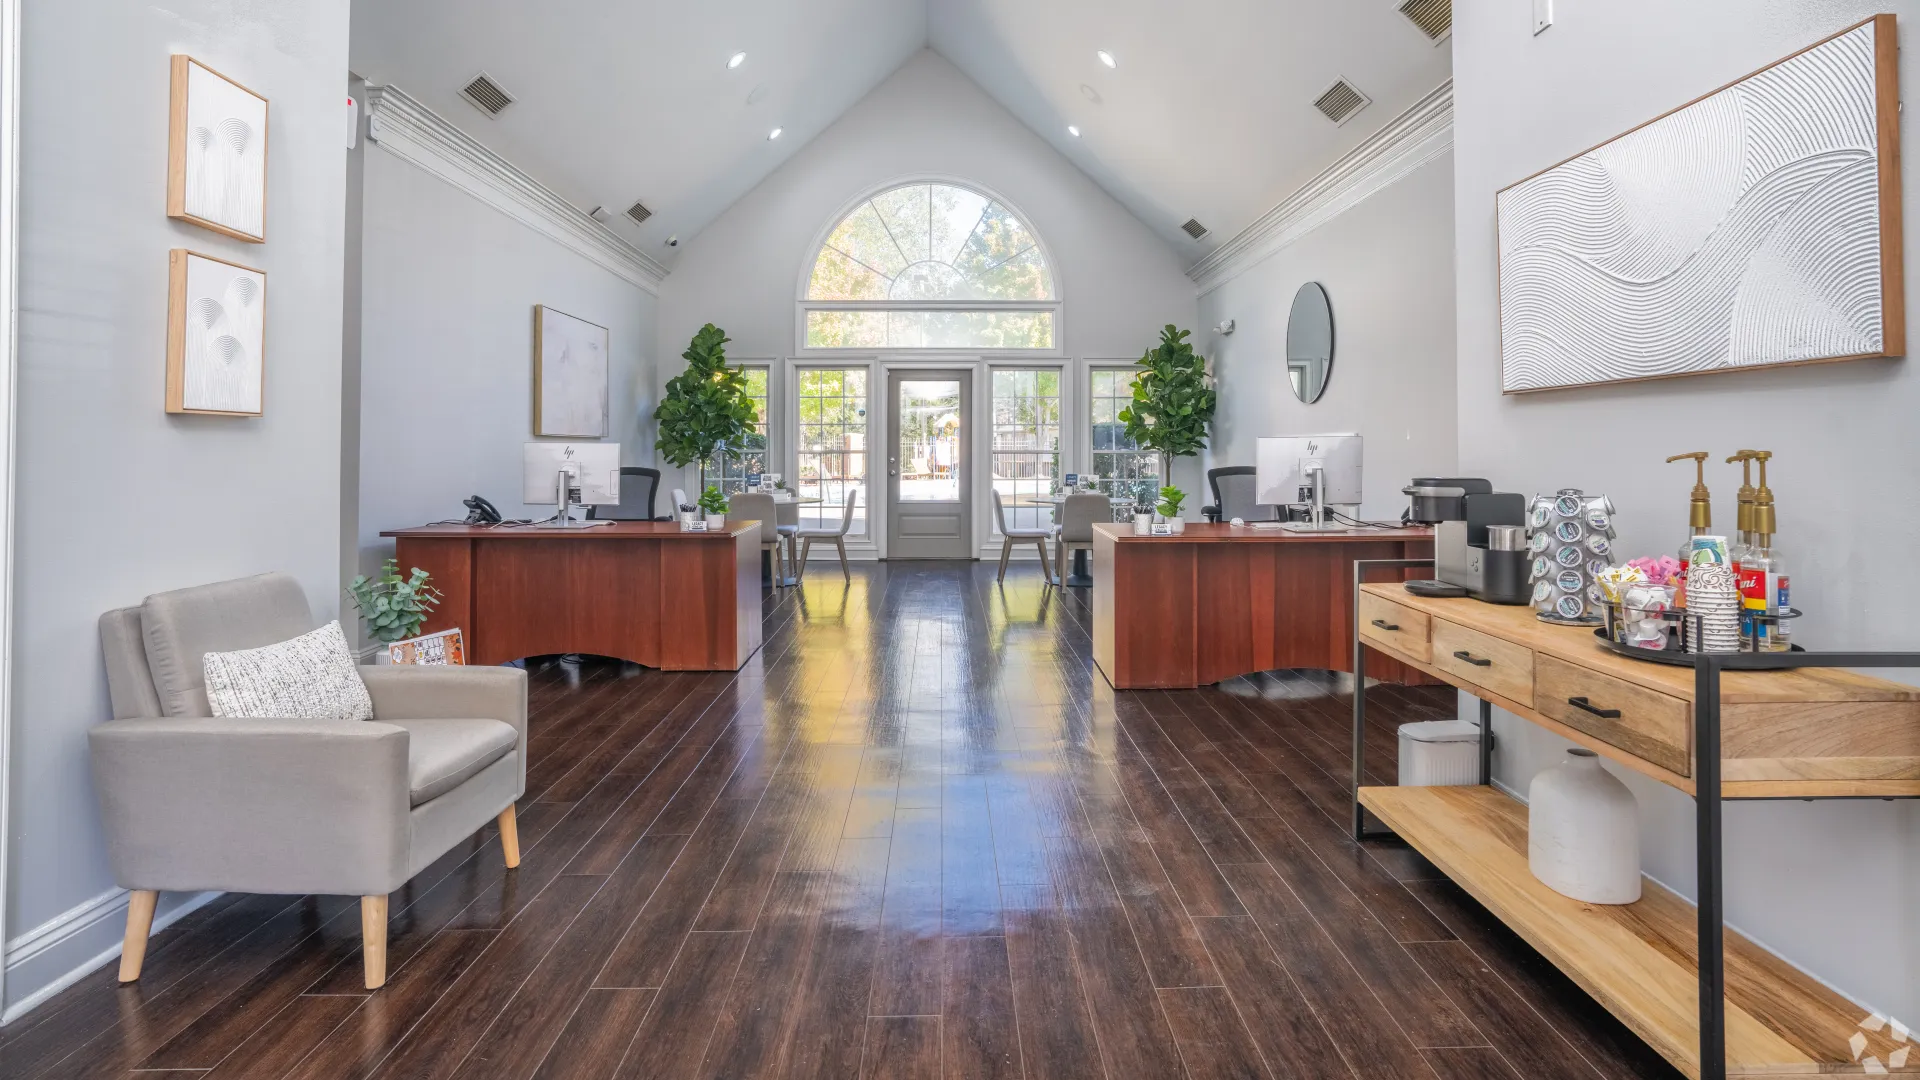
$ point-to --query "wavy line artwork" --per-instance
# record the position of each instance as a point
(223, 158)
(223, 350)
(1740, 231)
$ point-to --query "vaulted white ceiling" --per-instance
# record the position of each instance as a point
(1207, 113)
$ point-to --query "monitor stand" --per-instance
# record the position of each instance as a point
(563, 518)
(1319, 524)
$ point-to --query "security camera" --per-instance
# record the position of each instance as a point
(673, 241)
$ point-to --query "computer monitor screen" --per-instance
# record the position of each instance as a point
(595, 467)
(1283, 474)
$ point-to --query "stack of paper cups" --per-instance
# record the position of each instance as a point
(1714, 599)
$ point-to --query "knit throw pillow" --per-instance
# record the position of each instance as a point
(312, 677)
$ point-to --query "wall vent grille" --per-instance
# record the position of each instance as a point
(1340, 101)
(1433, 17)
(486, 95)
(1194, 229)
(638, 214)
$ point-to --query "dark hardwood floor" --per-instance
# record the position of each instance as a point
(917, 837)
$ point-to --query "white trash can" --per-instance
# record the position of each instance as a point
(1437, 753)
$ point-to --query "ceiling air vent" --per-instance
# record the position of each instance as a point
(1194, 229)
(1433, 17)
(1340, 101)
(486, 95)
(638, 214)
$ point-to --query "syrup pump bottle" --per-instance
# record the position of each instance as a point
(1763, 575)
(1699, 519)
(1748, 494)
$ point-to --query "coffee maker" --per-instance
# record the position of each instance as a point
(1480, 539)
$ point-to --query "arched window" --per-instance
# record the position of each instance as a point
(931, 266)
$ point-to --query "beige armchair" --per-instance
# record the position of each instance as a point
(191, 802)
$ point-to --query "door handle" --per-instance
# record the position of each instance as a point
(1472, 659)
(1385, 625)
(1584, 705)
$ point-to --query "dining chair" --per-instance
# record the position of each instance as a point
(1075, 531)
(679, 500)
(838, 536)
(1010, 536)
(787, 524)
(753, 506)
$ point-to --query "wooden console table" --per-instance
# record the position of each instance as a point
(1219, 600)
(1713, 1003)
(642, 591)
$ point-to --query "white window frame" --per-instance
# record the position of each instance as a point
(802, 305)
(1069, 427)
(1086, 396)
(770, 414)
(866, 545)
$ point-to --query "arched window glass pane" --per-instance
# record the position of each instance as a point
(902, 252)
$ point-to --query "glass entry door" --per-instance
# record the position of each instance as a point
(929, 417)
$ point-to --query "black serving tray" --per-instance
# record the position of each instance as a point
(1675, 657)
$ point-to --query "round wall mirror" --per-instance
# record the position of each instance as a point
(1310, 342)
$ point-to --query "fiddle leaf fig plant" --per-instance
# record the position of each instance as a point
(394, 607)
(706, 407)
(1173, 400)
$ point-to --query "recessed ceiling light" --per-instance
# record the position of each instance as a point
(774, 134)
(736, 60)
(1106, 57)
(1073, 131)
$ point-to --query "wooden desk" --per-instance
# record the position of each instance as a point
(642, 591)
(1812, 732)
(1219, 601)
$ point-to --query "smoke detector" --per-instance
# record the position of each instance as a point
(486, 95)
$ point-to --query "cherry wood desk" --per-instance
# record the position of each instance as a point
(1219, 601)
(642, 591)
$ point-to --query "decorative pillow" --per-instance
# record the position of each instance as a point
(311, 677)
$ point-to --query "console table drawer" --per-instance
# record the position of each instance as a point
(1402, 629)
(1643, 722)
(1483, 660)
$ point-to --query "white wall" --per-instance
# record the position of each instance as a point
(1120, 282)
(1835, 887)
(448, 287)
(117, 499)
(1387, 266)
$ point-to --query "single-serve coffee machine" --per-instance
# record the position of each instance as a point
(1480, 540)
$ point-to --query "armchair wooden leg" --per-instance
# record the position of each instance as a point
(510, 836)
(373, 939)
(133, 952)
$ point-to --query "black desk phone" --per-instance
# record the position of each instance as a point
(480, 511)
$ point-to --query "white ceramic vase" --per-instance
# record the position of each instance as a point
(716, 521)
(1143, 524)
(1583, 831)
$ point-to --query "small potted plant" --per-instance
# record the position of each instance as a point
(1169, 508)
(713, 503)
(393, 607)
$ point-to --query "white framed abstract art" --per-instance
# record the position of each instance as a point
(1756, 226)
(216, 336)
(569, 376)
(217, 153)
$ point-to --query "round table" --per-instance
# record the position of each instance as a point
(1082, 576)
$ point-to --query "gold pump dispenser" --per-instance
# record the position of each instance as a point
(1700, 509)
(1747, 493)
(1763, 581)
(1763, 519)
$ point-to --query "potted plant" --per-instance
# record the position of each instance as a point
(394, 608)
(1169, 507)
(713, 503)
(706, 407)
(1173, 401)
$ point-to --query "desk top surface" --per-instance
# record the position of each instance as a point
(1200, 532)
(616, 530)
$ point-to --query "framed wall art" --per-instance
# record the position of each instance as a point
(217, 153)
(569, 376)
(216, 336)
(1754, 227)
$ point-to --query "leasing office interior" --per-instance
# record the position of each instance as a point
(405, 266)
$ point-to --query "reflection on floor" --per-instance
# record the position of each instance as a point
(917, 837)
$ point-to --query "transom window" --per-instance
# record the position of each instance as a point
(931, 266)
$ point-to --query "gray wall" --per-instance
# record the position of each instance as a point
(448, 286)
(116, 499)
(1835, 887)
(1387, 266)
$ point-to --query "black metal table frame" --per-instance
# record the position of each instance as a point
(1707, 798)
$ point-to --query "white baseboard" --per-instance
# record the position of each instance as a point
(75, 943)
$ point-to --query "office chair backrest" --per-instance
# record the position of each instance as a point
(637, 488)
(751, 506)
(1234, 493)
(1080, 512)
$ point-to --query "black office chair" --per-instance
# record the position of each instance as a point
(638, 486)
(1233, 495)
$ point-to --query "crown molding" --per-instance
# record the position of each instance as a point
(407, 129)
(1408, 141)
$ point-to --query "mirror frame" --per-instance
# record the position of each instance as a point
(1293, 313)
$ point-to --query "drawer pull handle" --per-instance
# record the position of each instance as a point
(1385, 625)
(1587, 706)
(1472, 659)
